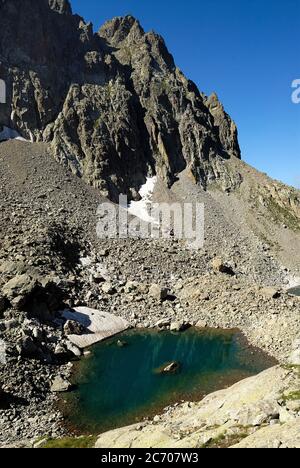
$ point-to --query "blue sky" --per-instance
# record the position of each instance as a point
(245, 50)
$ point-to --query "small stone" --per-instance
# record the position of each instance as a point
(163, 323)
(201, 324)
(108, 288)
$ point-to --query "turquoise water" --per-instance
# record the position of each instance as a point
(119, 385)
(295, 291)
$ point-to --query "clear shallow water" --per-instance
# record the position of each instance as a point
(295, 291)
(118, 386)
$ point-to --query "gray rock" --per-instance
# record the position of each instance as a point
(271, 293)
(108, 288)
(157, 292)
(73, 349)
(201, 324)
(221, 267)
(18, 289)
(72, 327)
(177, 326)
(60, 385)
(163, 323)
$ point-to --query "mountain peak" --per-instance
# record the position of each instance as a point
(118, 29)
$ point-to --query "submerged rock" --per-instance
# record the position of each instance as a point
(171, 368)
(122, 344)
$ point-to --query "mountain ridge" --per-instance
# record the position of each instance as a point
(117, 92)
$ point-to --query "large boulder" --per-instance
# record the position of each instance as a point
(18, 289)
(41, 297)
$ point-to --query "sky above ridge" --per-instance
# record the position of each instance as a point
(247, 51)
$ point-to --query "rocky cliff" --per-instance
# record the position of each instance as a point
(113, 104)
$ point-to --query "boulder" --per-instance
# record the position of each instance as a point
(163, 323)
(157, 292)
(201, 324)
(221, 267)
(18, 289)
(60, 385)
(171, 368)
(73, 349)
(178, 326)
(72, 327)
(271, 293)
(108, 288)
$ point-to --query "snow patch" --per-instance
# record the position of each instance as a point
(100, 325)
(140, 208)
(10, 134)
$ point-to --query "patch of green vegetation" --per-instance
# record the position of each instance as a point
(293, 396)
(282, 214)
(224, 440)
(82, 442)
(291, 367)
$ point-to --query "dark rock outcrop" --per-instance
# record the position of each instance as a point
(113, 104)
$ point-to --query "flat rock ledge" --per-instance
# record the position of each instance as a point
(261, 411)
(99, 325)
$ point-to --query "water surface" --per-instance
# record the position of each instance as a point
(119, 385)
(295, 291)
